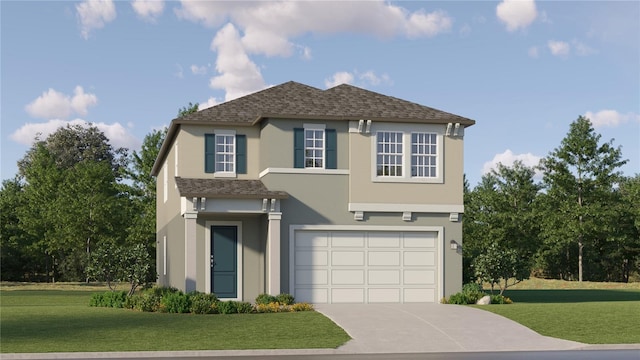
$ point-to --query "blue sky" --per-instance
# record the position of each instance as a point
(523, 70)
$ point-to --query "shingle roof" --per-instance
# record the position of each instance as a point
(343, 102)
(227, 189)
(292, 100)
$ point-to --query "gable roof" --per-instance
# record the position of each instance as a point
(227, 189)
(292, 100)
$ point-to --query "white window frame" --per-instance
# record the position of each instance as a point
(424, 154)
(223, 134)
(313, 128)
(390, 156)
(407, 155)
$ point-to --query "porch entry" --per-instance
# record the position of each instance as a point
(224, 261)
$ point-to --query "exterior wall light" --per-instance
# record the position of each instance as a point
(454, 245)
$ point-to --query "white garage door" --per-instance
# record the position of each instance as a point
(365, 266)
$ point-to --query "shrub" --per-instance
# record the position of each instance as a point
(113, 299)
(228, 307)
(500, 299)
(272, 307)
(265, 299)
(96, 299)
(148, 302)
(203, 303)
(472, 292)
(244, 308)
(301, 307)
(161, 291)
(175, 302)
(285, 299)
(457, 298)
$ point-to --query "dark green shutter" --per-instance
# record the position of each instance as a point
(331, 152)
(298, 148)
(209, 153)
(241, 154)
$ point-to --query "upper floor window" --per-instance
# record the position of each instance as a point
(407, 153)
(315, 147)
(225, 153)
(424, 155)
(389, 153)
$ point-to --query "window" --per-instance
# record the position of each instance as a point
(389, 153)
(407, 153)
(315, 147)
(424, 155)
(225, 153)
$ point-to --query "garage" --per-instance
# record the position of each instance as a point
(350, 266)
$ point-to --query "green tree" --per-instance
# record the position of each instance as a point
(579, 178)
(498, 265)
(72, 196)
(500, 212)
(191, 108)
(142, 228)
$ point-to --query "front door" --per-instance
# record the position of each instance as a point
(224, 261)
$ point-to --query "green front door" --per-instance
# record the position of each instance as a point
(224, 261)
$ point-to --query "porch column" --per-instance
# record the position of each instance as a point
(190, 269)
(273, 252)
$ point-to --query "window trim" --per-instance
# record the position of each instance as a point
(322, 129)
(407, 130)
(226, 133)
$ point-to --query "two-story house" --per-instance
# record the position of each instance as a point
(336, 196)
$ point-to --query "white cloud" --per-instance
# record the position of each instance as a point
(582, 49)
(239, 75)
(533, 52)
(465, 30)
(148, 10)
(342, 77)
(610, 118)
(368, 78)
(179, 72)
(118, 135)
(559, 48)
(507, 158)
(198, 70)
(54, 104)
(268, 28)
(517, 14)
(207, 104)
(428, 24)
(94, 14)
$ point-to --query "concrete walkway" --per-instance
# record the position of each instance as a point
(434, 328)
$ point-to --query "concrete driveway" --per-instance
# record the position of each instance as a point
(397, 328)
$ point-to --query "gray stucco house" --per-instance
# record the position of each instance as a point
(336, 196)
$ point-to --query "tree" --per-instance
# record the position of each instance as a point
(499, 213)
(191, 108)
(72, 196)
(497, 265)
(579, 178)
(129, 263)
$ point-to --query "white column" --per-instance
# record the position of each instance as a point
(190, 269)
(273, 253)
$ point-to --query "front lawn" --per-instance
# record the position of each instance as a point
(592, 316)
(62, 321)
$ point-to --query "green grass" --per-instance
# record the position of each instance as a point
(62, 321)
(591, 315)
